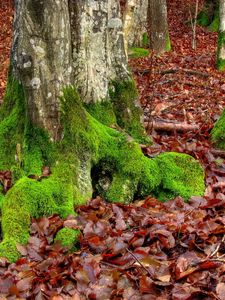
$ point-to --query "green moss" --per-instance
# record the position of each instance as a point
(135, 174)
(103, 112)
(8, 249)
(168, 43)
(214, 26)
(218, 132)
(128, 113)
(220, 49)
(203, 18)
(182, 175)
(86, 143)
(68, 237)
(12, 123)
(138, 52)
(145, 40)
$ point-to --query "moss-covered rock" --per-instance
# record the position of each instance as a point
(181, 174)
(67, 237)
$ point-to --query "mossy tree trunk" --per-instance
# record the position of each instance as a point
(88, 138)
(158, 26)
(135, 23)
(221, 38)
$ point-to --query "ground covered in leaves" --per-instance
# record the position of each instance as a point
(146, 250)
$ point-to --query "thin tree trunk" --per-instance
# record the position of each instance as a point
(221, 38)
(158, 26)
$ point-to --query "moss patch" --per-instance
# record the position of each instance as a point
(182, 176)
(218, 132)
(127, 110)
(138, 52)
(145, 40)
(67, 237)
(214, 26)
(12, 123)
(203, 19)
(102, 111)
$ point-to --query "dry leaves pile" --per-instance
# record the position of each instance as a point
(147, 250)
(6, 19)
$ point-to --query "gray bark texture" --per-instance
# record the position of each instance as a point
(60, 42)
(135, 22)
(158, 26)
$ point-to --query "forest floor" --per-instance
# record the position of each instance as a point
(146, 250)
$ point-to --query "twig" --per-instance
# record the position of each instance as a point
(138, 261)
(172, 71)
(217, 247)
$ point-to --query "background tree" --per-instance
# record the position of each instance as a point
(60, 144)
(221, 38)
(135, 23)
(158, 26)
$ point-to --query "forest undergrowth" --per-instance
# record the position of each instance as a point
(148, 249)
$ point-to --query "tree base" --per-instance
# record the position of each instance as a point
(85, 147)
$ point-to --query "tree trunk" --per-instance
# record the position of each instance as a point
(221, 38)
(158, 26)
(135, 23)
(86, 140)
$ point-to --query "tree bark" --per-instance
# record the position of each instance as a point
(135, 23)
(221, 38)
(50, 52)
(158, 26)
(42, 58)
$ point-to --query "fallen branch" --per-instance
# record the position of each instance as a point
(172, 71)
(166, 125)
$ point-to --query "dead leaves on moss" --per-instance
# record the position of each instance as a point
(147, 250)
